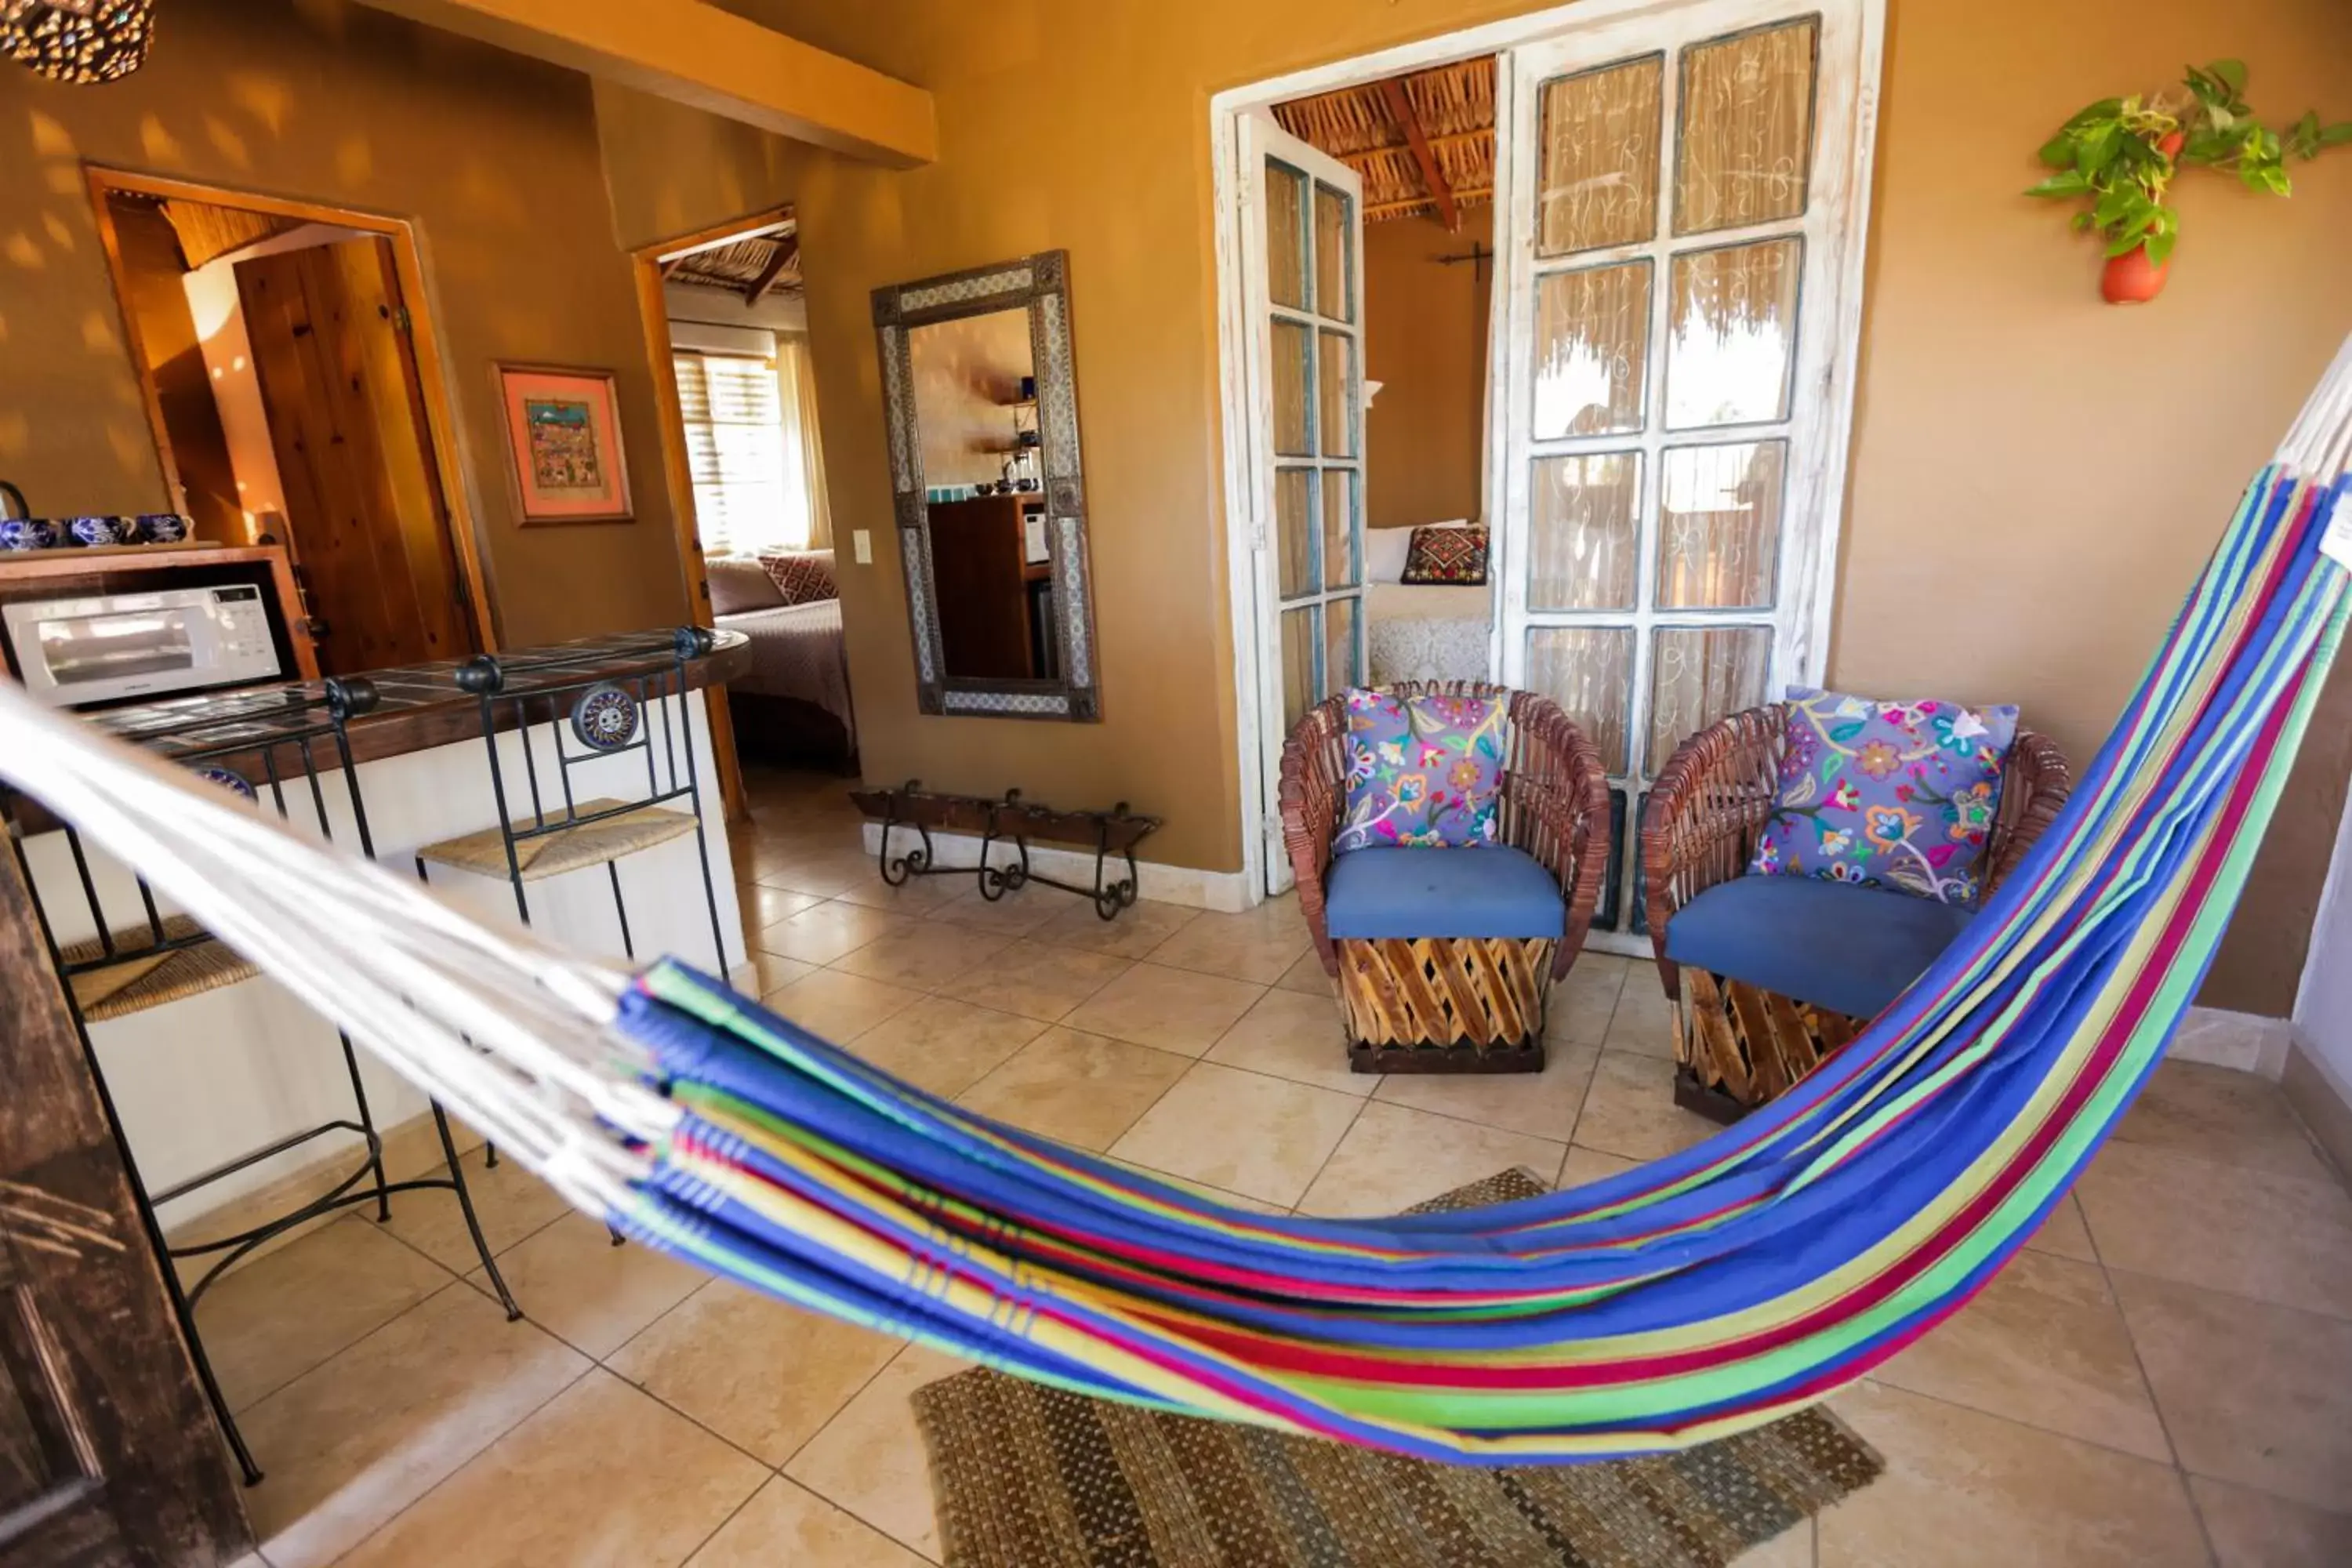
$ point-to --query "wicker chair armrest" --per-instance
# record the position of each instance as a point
(1555, 807)
(1313, 794)
(1566, 832)
(2036, 780)
(1705, 811)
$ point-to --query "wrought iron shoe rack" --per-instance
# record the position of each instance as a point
(1010, 820)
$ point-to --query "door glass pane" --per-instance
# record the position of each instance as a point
(1588, 672)
(1746, 145)
(1285, 235)
(1699, 674)
(1598, 184)
(1298, 639)
(1336, 378)
(1732, 334)
(1293, 436)
(1339, 528)
(1294, 526)
(1585, 547)
(1335, 270)
(1719, 525)
(1593, 335)
(1340, 646)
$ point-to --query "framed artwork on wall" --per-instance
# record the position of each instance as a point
(563, 440)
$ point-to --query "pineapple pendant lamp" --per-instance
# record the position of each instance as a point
(79, 41)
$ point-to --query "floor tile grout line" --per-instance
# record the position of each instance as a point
(456, 1471)
(286, 1382)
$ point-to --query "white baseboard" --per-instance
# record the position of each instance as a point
(1227, 891)
(2322, 1098)
(2245, 1041)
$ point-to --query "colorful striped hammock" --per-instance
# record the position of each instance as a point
(1680, 1302)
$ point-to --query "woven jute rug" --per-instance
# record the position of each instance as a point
(1029, 1477)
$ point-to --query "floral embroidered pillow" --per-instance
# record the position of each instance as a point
(1888, 794)
(1422, 770)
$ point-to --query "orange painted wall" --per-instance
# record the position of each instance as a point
(495, 157)
(2036, 475)
(1425, 343)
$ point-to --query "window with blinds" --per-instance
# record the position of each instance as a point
(748, 492)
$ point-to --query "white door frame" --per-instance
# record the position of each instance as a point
(1240, 477)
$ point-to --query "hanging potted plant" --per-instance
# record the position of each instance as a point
(2120, 155)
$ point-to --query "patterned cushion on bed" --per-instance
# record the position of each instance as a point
(1447, 555)
(1423, 772)
(738, 583)
(1887, 794)
(802, 576)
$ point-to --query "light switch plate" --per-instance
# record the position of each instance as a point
(861, 543)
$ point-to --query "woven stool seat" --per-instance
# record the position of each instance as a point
(567, 850)
(143, 977)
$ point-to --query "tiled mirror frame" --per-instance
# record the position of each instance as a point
(1040, 285)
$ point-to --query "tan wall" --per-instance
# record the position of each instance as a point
(1425, 343)
(2038, 476)
(495, 157)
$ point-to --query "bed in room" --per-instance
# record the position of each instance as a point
(1422, 629)
(793, 707)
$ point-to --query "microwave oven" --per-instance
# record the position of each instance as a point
(72, 653)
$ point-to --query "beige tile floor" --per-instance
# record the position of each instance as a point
(2165, 1375)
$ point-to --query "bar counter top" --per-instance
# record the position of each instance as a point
(412, 709)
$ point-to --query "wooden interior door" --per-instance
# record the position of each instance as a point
(364, 507)
(108, 1451)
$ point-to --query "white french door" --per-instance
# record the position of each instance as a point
(1681, 194)
(1302, 240)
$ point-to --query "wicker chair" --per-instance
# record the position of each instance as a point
(1455, 1003)
(1738, 1046)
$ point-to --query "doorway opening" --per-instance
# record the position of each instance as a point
(727, 330)
(1679, 194)
(285, 356)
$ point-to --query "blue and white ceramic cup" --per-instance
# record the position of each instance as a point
(28, 533)
(95, 532)
(158, 528)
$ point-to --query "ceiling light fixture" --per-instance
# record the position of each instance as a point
(80, 41)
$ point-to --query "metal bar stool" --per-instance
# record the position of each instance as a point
(165, 958)
(559, 833)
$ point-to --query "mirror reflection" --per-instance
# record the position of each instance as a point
(975, 384)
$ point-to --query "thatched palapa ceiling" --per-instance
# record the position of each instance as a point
(1424, 143)
(754, 265)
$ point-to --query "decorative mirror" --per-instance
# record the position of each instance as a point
(982, 400)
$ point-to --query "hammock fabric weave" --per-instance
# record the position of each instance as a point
(1678, 1303)
(1685, 1300)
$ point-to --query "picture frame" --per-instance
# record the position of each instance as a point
(565, 458)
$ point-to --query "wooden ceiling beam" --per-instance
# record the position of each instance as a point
(786, 250)
(1400, 107)
(698, 54)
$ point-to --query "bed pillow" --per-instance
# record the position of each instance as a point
(738, 583)
(802, 576)
(1887, 794)
(1384, 553)
(1423, 772)
(1456, 556)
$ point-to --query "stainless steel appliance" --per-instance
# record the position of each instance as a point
(74, 652)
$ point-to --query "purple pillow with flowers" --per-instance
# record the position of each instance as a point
(1422, 770)
(1887, 794)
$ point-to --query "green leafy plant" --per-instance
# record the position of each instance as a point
(2121, 155)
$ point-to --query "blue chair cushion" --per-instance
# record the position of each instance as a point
(1851, 950)
(1491, 890)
